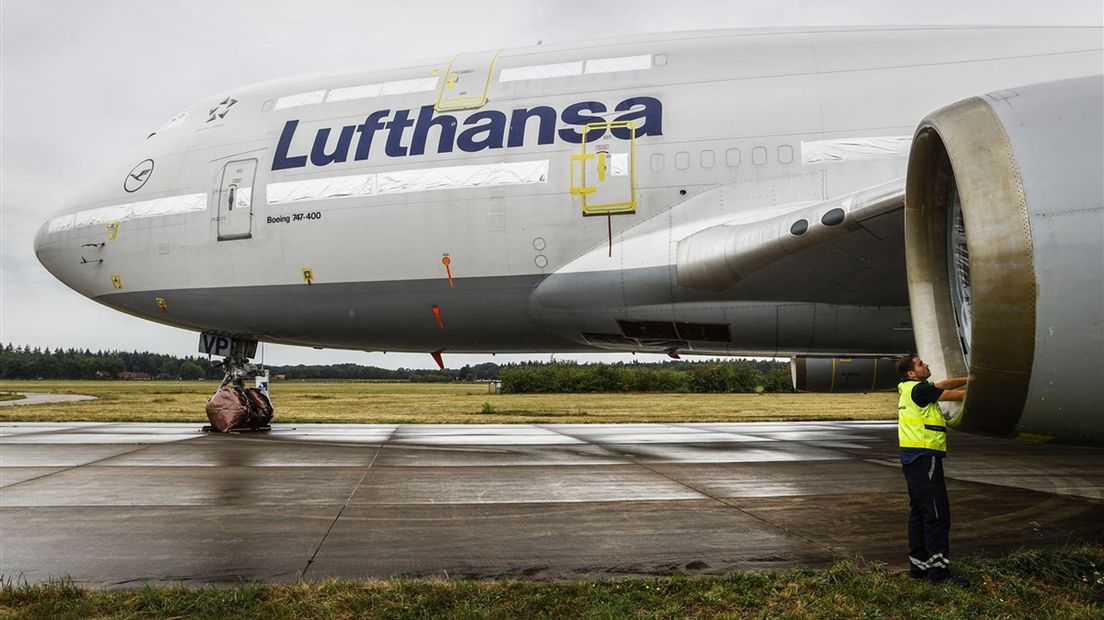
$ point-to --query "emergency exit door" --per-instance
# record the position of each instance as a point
(235, 214)
(467, 82)
(603, 174)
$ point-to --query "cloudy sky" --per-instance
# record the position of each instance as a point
(83, 82)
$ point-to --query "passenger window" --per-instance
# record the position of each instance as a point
(758, 156)
(682, 160)
(785, 154)
(657, 162)
(707, 159)
(732, 158)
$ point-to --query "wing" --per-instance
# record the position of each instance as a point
(849, 250)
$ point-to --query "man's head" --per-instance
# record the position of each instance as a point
(912, 368)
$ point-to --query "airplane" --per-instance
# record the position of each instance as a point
(837, 195)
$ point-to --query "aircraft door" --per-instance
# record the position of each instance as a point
(467, 83)
(235, 199)
(603, 174)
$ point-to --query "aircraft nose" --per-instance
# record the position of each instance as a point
(46, 251)
(61, 254)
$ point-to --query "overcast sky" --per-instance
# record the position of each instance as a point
(82, 82)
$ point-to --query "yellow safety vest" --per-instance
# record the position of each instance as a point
(919, 427)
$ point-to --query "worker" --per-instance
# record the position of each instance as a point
(922, 433)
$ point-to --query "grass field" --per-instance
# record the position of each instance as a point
(1028, 584)
(389, 403)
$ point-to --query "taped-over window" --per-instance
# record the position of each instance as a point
(619, 164)
(541, 72)
(298, 99)
(856, 149)
(355, 92)
(623, 63)
(402, 87)
(171, 205)
(417, 180)
(317, 189)
(361, 91)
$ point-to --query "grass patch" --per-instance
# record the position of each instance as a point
(11, 396)
(441, 403)
(1025, 584)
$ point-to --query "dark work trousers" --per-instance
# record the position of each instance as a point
(929, 522)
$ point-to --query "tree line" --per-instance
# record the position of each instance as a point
(689, 377)
(25, 362)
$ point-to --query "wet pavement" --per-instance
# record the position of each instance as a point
(122, 504)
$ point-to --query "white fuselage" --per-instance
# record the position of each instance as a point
(319, 210)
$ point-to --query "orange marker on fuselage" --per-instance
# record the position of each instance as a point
(447, 262)
(437, 315)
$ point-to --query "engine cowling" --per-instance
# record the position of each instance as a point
(1004, 229)
(843, 374)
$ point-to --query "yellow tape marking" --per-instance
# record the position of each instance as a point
(581, 190)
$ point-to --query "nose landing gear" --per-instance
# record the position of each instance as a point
(236, 407)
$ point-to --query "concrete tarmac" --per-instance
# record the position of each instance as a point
(39, 398)
(121, 504)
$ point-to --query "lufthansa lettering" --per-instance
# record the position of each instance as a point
(483, 130)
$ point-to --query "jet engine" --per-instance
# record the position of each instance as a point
(1004, 229)
(843, 374)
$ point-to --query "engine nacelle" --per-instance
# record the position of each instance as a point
(1004, 229)
(843, 374)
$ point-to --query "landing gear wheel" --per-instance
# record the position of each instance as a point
(235, 408)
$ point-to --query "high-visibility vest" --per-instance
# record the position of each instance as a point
(919, 427)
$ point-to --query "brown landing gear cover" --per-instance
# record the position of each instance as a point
(227, 408)
(260, 407)
(232, 407)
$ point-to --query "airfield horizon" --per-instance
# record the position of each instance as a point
(348, 402)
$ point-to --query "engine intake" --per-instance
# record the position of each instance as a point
(1004, 230)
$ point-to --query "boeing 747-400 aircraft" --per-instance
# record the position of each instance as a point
(819, 194)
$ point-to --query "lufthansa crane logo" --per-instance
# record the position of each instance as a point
(138, 176)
